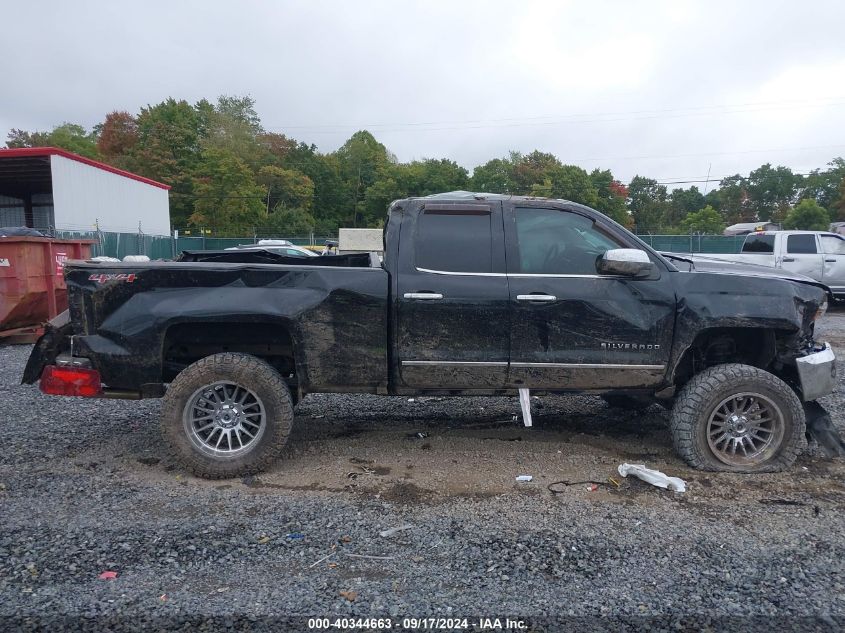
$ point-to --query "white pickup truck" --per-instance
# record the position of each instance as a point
(816, 254)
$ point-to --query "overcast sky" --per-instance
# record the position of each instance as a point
(663, 89)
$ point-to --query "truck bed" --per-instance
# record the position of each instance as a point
(257, 256)
(143, 322)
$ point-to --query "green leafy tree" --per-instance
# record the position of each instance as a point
(494, 176)
(286, 188)
(706, 220)
(807, 215)
(837, 207)
(17, 139)
(228, 201)
(286, 222)
(70, 136)
(647, 203)
(683, 202)
(360, 159)
(823, 185)
(544, 189)
(234, 126)
(402, 180)
(771, 191)
(434, 175)
(732, 201)
(573, 183)
(381, 193)
(169, 150)
(611, 195)
(331, 200)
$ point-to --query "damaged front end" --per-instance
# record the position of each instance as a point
(814, 362)
(817, 372)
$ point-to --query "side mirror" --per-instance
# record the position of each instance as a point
(629, 262)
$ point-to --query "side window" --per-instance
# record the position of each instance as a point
(455, 241)
(554, 242)
(801, 243)
(832, 245)
(759, 244)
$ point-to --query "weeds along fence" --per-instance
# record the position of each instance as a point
(166, 247)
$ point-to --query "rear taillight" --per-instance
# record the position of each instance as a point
(70, 381)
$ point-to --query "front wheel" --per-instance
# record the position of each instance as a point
(227, 415)
(738, 418)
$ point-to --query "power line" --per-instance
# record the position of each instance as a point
(698, 154)
(635, 115)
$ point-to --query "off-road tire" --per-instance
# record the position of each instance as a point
(702, 394)
(253, 374)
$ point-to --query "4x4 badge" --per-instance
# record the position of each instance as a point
(102, 278)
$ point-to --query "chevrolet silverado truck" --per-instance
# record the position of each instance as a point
(478, 294)
(816, 254)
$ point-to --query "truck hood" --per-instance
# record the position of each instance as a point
(704, 264)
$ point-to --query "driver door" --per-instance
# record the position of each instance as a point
(572, 328)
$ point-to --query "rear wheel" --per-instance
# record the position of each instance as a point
(227, 415)
(738, 418)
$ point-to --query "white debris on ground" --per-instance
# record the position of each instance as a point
(654, 477)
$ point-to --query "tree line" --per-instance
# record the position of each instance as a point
(232, 177)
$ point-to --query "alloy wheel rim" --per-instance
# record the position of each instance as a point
(224, 419)
(745, 429)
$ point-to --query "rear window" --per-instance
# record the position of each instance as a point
(455, 241)
(805, 243)
(759, 244)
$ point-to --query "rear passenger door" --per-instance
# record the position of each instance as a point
(802, 255)
(452, 328)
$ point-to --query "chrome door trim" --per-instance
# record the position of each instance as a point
(564, 276)
(413, 363)
(520, 275)
(450, 272)
(589, 366)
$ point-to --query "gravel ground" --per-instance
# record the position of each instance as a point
(86, 487)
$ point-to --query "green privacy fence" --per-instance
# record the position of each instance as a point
(695, 243)
(165, 247)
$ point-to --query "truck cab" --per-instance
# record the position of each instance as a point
(504, 293)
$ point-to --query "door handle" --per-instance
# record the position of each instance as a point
(830, 261)
(788, 259)
(536, 297)
(426, 296)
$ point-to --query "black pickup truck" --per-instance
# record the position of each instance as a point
(477, 294)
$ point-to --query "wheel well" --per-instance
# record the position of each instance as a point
(718, 346)
(186, 343)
